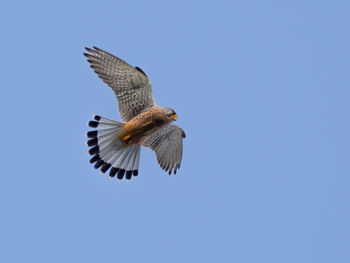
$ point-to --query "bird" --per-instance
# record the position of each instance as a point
(115, 146)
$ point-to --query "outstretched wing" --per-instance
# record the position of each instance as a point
(167, 144)
(130, 84)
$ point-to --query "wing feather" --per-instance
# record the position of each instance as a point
(131, 85)
(167, 144)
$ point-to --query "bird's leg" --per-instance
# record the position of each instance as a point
(127, 139)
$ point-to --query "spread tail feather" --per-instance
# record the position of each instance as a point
(109, 152)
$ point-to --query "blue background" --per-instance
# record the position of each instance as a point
(261, 89)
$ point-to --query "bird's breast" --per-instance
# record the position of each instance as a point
(141, 126)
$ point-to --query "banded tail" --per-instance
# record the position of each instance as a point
(110, 152)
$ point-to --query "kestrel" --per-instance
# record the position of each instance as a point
(116, 146)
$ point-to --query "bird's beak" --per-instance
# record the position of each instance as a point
(175, 117)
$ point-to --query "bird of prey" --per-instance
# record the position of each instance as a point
(115, 146)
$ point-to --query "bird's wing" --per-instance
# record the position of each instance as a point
(167, 144)
(130, 84)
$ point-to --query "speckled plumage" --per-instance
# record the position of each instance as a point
(132, 87)
(117, 145)
(168, 137)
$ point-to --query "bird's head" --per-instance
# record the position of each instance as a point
(170, 114)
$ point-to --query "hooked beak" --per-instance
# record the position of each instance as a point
(174, 117)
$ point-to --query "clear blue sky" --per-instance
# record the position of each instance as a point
(262, 90)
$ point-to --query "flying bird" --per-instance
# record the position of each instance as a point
(116, 146)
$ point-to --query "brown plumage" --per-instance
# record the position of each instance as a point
(135, 130)
(117, 145)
